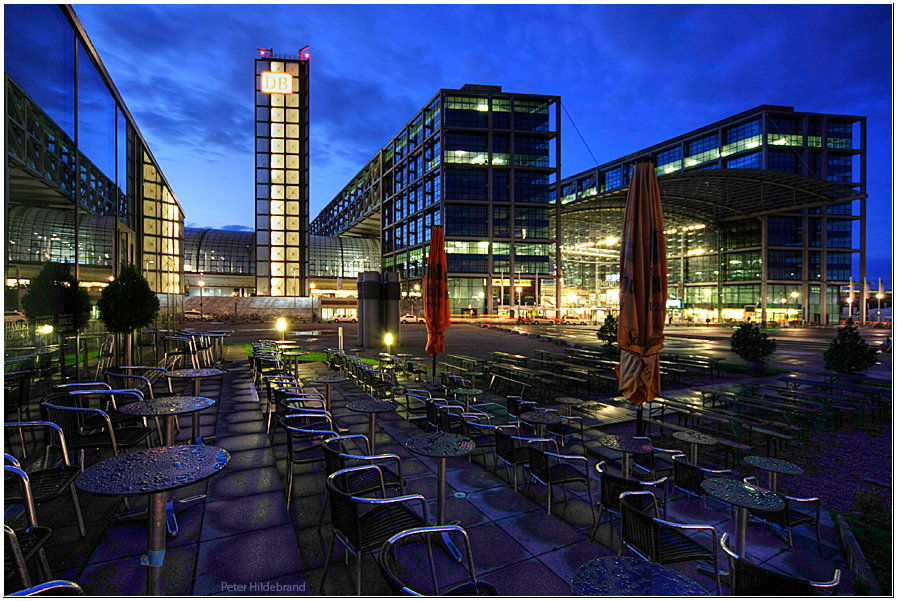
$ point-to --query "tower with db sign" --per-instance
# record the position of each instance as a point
(281, 173)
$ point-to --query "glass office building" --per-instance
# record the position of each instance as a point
(765, 214)
(484, 164)
(82, 186)
(281, 174)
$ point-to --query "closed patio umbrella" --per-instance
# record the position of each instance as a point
(643, 291)
(436, 297)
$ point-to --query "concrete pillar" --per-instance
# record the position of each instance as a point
(389, 307)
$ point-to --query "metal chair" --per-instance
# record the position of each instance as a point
(509, 452)
(337, 457)
(787, 518)
(25, 544)
(561, 473)
(747, 579)
(66, 412)
(306, 432)
(54, 588)
(17, 394)
(687, 478)
(660, 541)
(48, 483)
(392, 569)
(363, 524)
(612, 486)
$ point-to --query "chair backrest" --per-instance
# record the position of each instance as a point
(613, 486)
(747, 579)
(54, 588)
(686, 476)
(18, 387)
(538, 460)
(13, 558)
(17, 490)
(639, 530)
(392, 570)
(336, 453)
(344, 511)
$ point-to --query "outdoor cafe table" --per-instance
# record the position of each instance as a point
(372, 407)
(467, 393)
(441, 446)
(196, 375)
(694, 439)
(218, 337)
(542, 419)
(169, 407)
(568, 401)
(631, 577)
(773, 467)
(744, 496)
(328, 381)
(153, 472)
(627, 445)
(293, 354)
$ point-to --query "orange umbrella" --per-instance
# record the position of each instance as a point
(643, 290)
(436, 295)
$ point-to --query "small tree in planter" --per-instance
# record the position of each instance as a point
(848, 353)
(128, 304)
(754, 346)
(607, 333)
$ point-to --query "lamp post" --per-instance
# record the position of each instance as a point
(281, 326)
(414, 298)
(202, 284)
(146, 268)
(879, 296)
(707, 294)
(519, 289)
(795, 294)
(388, 340)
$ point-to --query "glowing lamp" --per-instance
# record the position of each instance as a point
(281, 326)
(45, 329)
(388, 342)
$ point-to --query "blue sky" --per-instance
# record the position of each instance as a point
(630, 75)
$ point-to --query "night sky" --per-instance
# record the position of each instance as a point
(630, 77)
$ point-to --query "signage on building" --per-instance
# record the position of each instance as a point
(674, 304)
(276, 83)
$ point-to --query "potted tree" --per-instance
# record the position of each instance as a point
(126, 305)
(754, 346)
(848, 353)
(607, 333)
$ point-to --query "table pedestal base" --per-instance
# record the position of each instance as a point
(440, 510)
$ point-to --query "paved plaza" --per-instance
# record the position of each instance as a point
(243, 539)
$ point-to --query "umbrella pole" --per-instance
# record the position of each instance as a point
(434, 368)
(639, 424)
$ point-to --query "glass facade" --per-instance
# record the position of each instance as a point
(281, 175)
(95, 204)
(716, 267)
(478, 160)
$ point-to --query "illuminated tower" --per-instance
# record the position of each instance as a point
(281, 173)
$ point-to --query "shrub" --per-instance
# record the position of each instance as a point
(55, 295)
(607, 333)
(749, 343)
(128, 303)
(848, 353)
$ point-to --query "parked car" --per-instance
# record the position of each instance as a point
(541, 320)
(13, 316)
(409, 318)
(574, 320)
(192, 314)
(343, 319)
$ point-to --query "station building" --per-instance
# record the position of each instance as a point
(82, 186)
(765, 214)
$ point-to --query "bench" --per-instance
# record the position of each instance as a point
(730, 447)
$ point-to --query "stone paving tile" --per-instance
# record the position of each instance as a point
(501, 502)
(127, 577)
(293, 585)
(487, 539)
(242, 483)
(255, 556)
(538, 534)
(238, 515)
(530, 578)
(243, 442)
(565, 561)
(124, 539)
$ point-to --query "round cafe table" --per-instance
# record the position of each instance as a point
(467, 393)
(441, 446)
(773, 467)
(541, 419)
(292, 355)
(631, 577)
(372, 407)
(169, 408)
(744, 496)
(694, 439)
(153, 472)
(568, 401)
(628, 446)
(196, 375)
(328, 381)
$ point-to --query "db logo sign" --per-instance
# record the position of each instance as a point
(277, 83)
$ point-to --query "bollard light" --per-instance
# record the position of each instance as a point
(388, 343)
(45, 329)
(281, 326)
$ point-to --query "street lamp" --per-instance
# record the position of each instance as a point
(201, 284)
(879, 296)
(414, 299)
(281, 326)
(146, 268)
(388, 343)
(794, 295)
